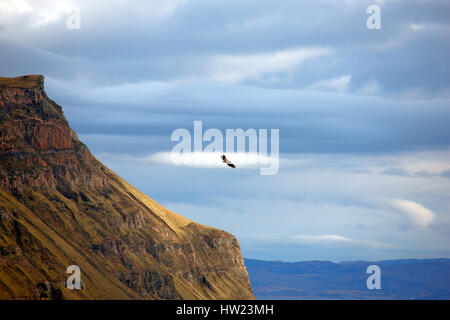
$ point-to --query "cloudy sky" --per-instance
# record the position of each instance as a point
(363, 114)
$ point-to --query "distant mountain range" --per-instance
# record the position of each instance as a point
(400, 279)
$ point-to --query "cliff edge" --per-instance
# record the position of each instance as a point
(60, 206)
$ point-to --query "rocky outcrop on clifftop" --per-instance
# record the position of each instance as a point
(60, 206)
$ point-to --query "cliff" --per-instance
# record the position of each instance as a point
(60, 206)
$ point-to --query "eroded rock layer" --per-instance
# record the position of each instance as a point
(60, 206)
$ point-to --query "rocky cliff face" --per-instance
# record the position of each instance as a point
(60, 206)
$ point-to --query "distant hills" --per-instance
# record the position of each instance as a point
(400, 279)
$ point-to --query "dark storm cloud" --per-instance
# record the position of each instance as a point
(308, 121)
(120, 42)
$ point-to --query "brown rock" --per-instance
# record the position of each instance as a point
(60, 206)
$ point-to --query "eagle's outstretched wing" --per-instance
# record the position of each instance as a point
(228, 162)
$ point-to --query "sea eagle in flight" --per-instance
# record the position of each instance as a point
(225, 160)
